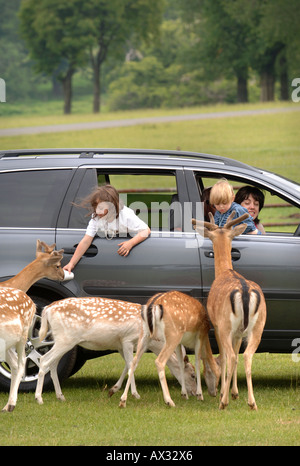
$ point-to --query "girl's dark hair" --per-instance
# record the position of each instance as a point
(106, 193)
(244, 192)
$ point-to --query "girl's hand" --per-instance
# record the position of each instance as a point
(68, 267)
(124, 248)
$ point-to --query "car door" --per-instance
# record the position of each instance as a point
(167, 260)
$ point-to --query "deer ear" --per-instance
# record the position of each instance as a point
(38, 246)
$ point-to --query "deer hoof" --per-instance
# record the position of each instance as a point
(122, 404)
(171, 403)
(222, 405)
(253, 406)
(8, 408)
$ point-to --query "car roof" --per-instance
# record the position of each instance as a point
(145, 154)
(150, 158)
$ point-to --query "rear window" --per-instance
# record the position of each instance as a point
(32, 199)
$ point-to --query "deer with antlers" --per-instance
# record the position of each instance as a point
(236, 307)
(17, 311)
(178, 319)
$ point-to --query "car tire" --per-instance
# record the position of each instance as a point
(34, 350)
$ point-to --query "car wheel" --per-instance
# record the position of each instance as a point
(34, 350)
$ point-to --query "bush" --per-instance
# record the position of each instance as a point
(147, 84)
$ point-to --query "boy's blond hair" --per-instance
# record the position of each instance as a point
(221, 193)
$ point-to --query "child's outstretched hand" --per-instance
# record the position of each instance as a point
(124, 248)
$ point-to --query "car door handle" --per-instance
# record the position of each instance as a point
(235, 254)
(90, 252)
(209, 254)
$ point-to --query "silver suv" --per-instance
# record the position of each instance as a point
(39, 190)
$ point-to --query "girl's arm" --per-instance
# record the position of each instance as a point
(126, 246)
(80, 250)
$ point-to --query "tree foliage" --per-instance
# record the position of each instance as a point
(152, 52)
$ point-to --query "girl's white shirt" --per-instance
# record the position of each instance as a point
(127, 222)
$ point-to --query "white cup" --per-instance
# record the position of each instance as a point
(68, 276)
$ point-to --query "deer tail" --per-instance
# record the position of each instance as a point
(152, 314)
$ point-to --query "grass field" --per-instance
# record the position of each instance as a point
(271, 142)
(89, 417)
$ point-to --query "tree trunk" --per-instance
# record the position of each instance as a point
(67, 89)
(267, 82)
(97, 89)
(284, 81)
(242, 89)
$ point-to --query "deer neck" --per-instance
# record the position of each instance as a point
(26, 278)
(222, 253)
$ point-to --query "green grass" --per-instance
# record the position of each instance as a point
(90, 417)
(268, 141)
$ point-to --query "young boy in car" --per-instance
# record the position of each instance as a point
(222, 197)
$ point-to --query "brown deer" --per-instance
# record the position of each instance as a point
(45, 265)
(178, 319)
(17, 311)
(98, 324)
(236, 307)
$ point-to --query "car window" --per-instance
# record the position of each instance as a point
(32, 199)
(277, 215)
(153, 197)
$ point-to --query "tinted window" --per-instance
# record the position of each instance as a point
(32, 199)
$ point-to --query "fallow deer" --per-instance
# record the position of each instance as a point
(45, 265)
(98, 324)
(236, 307)
(17, 311)
(178, 319)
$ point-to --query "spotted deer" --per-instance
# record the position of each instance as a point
(45, 265)
(177, 319)
(17, 311)
(236, 307)
(98, 324)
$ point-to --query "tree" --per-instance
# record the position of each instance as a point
(274, 32)
(223, 41)
(112, 24)
(57, 36)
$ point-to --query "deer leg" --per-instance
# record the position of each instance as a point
(198, 352)
(234, 388)
(160, 363)
(179, 355)
(222, 363)
(49, 361)
(252, 346)
(141, 348)
(231, 361)
(127, 355)
(17, 371)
